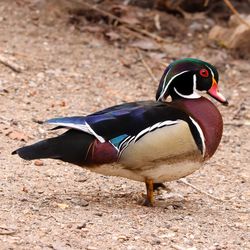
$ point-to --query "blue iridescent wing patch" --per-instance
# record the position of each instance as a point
(117, 140)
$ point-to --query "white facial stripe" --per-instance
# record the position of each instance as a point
(164, 89)
(194, 83)
(211, 71)
(201, 135)
(165, 78)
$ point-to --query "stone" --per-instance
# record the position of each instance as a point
(196, 27)
(38, 163)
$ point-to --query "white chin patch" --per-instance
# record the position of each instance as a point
(194, 95)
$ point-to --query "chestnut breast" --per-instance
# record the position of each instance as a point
(205, 113)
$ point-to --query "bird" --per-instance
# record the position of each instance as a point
(152, 141)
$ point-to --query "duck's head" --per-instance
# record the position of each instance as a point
(187, 77)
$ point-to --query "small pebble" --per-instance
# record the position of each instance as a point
(81, 226)
(83, 179)
(91, 248)
(83, 203)
(38, 162)
(98, 214)
(156, 242)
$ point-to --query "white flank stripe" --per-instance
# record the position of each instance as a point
(157, 125)
(127, 143)
(167, 123)
(165, 88)
(144, 131)
(117, 149)
(201, 135)
(154, 126)
(123, 142)
(141, 133)
(211, 71)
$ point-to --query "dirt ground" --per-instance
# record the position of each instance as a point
(54, 205)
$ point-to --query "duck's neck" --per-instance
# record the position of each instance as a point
(205, 113)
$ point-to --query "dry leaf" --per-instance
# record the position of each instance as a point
(145, 44)
(17, 135)
(125, 14)
(157, 22)
(62, 104)
(112, 36)
(157, 55)
(92, 29)
(129, 19)
(32, 93)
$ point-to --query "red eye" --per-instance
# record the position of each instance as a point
(204, 73)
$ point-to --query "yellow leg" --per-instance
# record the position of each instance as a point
(149, 202)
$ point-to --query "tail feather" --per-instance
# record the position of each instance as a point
(72, 146)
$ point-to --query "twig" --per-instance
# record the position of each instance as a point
(146, 66)
(134, 33)
(163, 64)
(229, 202)
(129, 26)
(7, 231)
(157, 22)
(201, 191)
(4, 118)
(237, 124)
(231, 7)
(10, 64)
(206, 3)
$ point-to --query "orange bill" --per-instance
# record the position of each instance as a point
(214, 92)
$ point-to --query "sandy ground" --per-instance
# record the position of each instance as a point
(60, 206)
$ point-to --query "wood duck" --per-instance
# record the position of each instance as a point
(147, 141)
